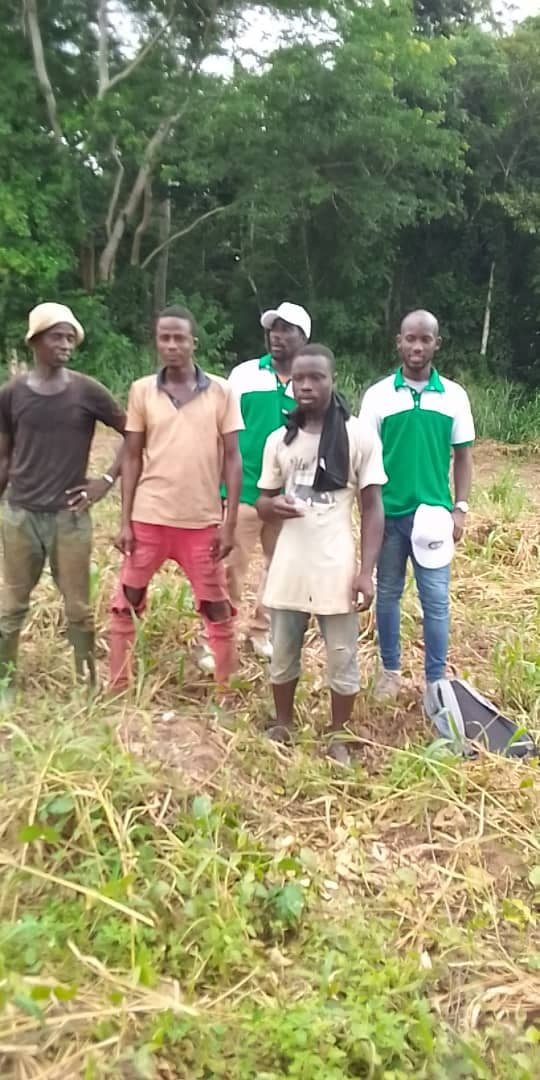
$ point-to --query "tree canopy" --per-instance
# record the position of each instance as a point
(383, 156)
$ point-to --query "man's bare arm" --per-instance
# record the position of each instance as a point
(232, 477)
(84, 495)
(132, 463)
(119, 425)
(372, 532)
(463, 463)
(265, 505)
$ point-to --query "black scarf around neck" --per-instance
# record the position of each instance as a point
(332, 473)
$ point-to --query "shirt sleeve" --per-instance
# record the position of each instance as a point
(136, 413)
(463, 433)
(368, 414)
(107, 410)
(231, 419)
(6, 425)
(370, 468)
(272, 478)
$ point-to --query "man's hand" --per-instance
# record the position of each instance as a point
(84, 495)
(223, 542)
(125, 541)
(459, 524)
(284, 507)
(363, 584)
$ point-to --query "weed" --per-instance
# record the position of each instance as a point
(507, 495)
(504, 411)
(179, 898)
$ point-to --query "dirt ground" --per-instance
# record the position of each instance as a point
(491, 459)
(179, 736)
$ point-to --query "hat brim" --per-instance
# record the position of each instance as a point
(76, 326)
(436, 559)
(268, 319)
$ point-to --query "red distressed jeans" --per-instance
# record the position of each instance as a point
(191, 550)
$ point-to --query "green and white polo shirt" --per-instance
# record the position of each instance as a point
(265, 402)
(418, 430)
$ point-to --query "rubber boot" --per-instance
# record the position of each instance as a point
(121, 648)
(9, 648)
(83, 642)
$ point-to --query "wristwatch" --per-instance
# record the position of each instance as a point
(107, 476)
(463, 506)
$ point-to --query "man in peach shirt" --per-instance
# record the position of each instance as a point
(181, 437)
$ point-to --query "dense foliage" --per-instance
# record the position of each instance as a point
(382, 156)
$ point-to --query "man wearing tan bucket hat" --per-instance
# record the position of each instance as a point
(47, 422)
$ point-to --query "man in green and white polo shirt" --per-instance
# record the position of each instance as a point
(421, 418)
(264, 390)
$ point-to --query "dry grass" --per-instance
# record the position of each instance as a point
(443, 855)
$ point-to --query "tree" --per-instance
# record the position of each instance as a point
(116, 131)
(378, 159)
(499, 86)
(448, 17)
(333, 151)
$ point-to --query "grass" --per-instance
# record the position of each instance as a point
(504, 411)
(180, 899)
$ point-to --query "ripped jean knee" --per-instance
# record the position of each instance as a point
(216, 611)
(128, 601)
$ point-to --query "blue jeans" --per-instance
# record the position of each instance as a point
(433, 589)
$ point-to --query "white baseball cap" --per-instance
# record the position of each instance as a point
(432, 536)
(291, 313)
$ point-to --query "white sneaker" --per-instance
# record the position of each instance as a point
(262, 647)
(387, 686)
(205, 660)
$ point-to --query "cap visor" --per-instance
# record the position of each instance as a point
(433, 560)
(268, 319)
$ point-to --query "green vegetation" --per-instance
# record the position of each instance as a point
(179, 898)
(504, 411)
(382, 156)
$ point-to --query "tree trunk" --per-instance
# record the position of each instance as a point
(30, 9)
(87, 264)
(162, 263)
(126, 213)
(388, 300)
(142, 226)
(103, 49)
(307, 263)
(487, 311)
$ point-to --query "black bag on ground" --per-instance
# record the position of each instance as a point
(467, 719)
